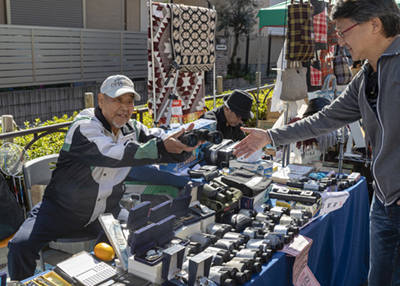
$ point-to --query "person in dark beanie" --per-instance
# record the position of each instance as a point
(369, 29)
(230, 116)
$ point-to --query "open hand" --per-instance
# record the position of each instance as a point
(174, 145)
(256, 139)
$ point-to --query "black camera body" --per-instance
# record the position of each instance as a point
(220, 154)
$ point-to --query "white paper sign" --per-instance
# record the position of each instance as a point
(331, 201)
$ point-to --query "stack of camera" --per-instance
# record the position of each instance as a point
(239, 245)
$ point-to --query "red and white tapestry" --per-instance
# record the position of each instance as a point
(190, 86)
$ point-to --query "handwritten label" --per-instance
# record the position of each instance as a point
(302, 275)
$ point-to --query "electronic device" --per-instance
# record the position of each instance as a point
(191, 138)
(220, 154)
(85, 269)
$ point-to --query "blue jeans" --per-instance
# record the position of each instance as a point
(384, 244)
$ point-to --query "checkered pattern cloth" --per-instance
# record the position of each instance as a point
(332, 37)
(315, 76)
(320, 29)
(341, 66)
(326, 64)
(300, 33)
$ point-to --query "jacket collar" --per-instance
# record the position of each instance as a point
(126, 129)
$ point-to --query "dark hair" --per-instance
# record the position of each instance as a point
(361, 11)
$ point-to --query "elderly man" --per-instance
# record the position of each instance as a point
(230, 116)
(101, 146)
(369, 29)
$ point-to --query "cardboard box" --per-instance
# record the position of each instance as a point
(266, 124)
(145, 188)
(150, 273)
(289, 205)
(251, 202)
(271, 114)
(261, 167)
(312, 208)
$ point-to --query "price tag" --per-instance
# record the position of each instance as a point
(177, 108)
(302, 275)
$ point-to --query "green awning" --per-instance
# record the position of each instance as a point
(275, 16)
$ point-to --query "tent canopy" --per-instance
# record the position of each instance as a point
(275, 16)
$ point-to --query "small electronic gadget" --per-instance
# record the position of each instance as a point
(85, 269)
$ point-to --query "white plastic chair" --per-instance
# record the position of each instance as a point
(38, 172)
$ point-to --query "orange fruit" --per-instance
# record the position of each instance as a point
(104, 251)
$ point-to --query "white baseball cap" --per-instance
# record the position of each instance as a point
(117, 85)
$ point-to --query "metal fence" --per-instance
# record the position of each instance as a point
(31, 56)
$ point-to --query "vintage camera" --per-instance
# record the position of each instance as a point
(220, 154)
(234, 235)
(239, 277)
(204, 239)
(245, 263)
(237, 221)
(218, 229)
(191, 138)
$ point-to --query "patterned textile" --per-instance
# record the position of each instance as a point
(341, 66)
(192, 33)
(320, 31)
(326, 64)
(315, 76)
(332, 38)
(190, 86)
(300, 33)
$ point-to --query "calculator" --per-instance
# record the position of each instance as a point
(85, 269)
(97, 274)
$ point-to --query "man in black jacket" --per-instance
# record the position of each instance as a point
(230, 116)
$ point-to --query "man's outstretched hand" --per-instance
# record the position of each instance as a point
(174, 145)
(256, 139)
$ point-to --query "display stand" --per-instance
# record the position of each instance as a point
(172, 96)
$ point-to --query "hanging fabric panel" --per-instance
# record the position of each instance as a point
(192, 38)
(190, 86)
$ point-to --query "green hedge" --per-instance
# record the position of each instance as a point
(52, 143)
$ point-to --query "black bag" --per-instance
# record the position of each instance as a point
(250, 183)
(11, 213)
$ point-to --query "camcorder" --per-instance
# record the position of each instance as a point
(220, 154)
(191, 138)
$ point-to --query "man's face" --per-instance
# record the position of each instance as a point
(356, 39)
(231, 118)
(117, 111)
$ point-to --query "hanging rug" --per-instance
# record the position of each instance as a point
(192, 36)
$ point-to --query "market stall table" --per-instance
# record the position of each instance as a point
(339, 254)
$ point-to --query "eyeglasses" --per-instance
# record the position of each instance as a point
(341, 34)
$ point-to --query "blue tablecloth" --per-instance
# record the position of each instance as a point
(340, 251)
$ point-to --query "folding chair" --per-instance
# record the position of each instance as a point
(38, 172)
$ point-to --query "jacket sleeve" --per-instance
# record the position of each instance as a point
(342, 111)
(86, 142)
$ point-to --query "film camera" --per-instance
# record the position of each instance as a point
(191, 138)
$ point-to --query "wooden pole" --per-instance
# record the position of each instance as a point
(89, 99)
(7, 125)
(219, 84)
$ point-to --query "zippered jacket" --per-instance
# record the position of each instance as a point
(382, 131)
(93, 163)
